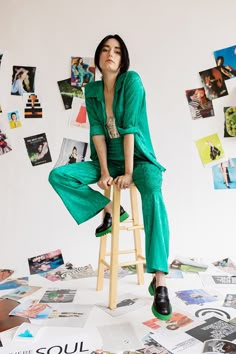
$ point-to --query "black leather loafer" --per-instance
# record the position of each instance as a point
(106, 225)
(161, 307)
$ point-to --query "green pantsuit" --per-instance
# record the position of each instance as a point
(72, 181)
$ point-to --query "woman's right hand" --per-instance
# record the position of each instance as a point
(105, 182)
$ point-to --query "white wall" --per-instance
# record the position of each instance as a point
(169, 43)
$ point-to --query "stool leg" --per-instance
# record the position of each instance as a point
(136, 233)
(102, 254)
(114, 248)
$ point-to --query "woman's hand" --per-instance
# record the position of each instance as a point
(124, 181)
(105, 182)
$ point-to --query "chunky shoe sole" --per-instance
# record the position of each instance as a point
(123, 217)
(151, 291)
(159, 315)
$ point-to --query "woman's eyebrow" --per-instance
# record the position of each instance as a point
(108, 46)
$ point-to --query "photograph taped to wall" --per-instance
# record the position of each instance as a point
(82, 71)
(79, 117)
(229, 122)
(213, 83)
(72, 151)
(224, 174)
(5, 145)
(68, 92)
(14, 119)
(45, 262)
(23, 79)
(33, 107)
(200, 106)
(1, 55)
(38, 149)
(210, 150)
(226, 61)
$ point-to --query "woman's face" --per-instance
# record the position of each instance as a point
(24, 75)
(110, 56)
(13, 117)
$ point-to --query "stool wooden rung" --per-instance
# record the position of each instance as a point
(113, 265)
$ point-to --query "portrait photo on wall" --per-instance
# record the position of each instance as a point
(68, 92)
(72, 151)
(38, 149)
(14, 119)
(213, 83)
(1, 55)
(210, 150)
(33, 107)
(226, 61)
(79, 117)
(224, 174)
(200, 106)
(229, 122)
(5, 145)
(23, 78)
(0, 108)
(82, 71)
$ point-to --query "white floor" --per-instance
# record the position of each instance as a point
(126, 332)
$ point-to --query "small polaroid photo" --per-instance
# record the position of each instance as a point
(14, 119)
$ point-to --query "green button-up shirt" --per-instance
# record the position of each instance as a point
(129, 108)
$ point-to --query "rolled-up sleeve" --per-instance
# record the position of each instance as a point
(134, 100)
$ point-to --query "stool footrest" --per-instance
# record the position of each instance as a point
(108, 254)
(131, 228)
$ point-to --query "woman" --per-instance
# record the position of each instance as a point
(20, 83)
(14, 122)
(121, 153)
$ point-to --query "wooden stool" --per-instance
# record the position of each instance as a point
(131, 224)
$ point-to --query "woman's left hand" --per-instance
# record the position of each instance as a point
(123, 181)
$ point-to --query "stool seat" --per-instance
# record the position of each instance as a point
(109, 259)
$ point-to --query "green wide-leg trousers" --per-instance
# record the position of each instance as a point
(71, 182)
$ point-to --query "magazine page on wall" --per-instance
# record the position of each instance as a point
(78, 116)
(72, 151)
(5, 145)
(23, 78)
(38, 149)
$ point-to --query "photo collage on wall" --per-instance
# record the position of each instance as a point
(212, 151)
(23, 79)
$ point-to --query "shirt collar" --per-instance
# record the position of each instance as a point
(95, 89)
